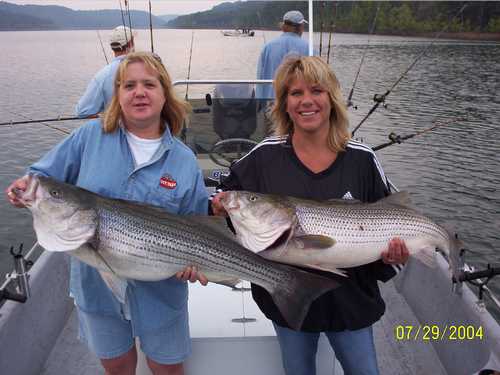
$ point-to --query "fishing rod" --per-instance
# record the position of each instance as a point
(102, 46)
(123, 19)
(189, 64)
(489, 272)
(127, 6)
(394, 138)
(44, 121)
(31, 121)
(151, 27)
(332, 26)
(321, 29)
(184, 128)
(372, 29)
(380, 98)
(329, 42)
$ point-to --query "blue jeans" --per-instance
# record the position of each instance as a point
(355, 351)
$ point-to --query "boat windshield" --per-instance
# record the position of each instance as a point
(226, 123)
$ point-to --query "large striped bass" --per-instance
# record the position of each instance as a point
(135, 241)
(333, 234)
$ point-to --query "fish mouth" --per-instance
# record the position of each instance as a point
(230, 202)
(28, 196)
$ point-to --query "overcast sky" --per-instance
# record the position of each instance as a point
(158, 7)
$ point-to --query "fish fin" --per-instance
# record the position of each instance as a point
(343, 201)
(427, 256)
(117, 285)
(303, 242)
(99, 255)
(333, 201)
(339, 201)
(279, 251)
(456, 249)
(398, 199)
(295, 228)
(231, 283)
(294, 298)
(327, 268)
(282, 249)
(217, 278)
(314, 241)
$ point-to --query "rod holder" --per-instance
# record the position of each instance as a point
(19, 276)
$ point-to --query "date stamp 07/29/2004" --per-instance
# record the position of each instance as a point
(435, 332)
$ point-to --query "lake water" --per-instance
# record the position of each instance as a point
(452, 173)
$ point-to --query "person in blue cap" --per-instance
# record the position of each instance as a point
(100, 89)
(273, 53)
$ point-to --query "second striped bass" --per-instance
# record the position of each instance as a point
(333, 234)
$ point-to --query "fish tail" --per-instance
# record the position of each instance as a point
(456, 246)
(293, 300)
(453, 251)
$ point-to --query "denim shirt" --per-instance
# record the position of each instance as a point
(271, 57)
(99, 91)
(103, 163)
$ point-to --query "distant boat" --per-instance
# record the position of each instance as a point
(238, 32)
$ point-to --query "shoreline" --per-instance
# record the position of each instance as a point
(470, 35)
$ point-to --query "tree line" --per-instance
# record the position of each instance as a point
(393, 17)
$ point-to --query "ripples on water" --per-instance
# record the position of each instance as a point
(453, 172)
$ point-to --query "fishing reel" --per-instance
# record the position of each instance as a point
(480, 278)
(394, 138)
(350, 103)
(380, 99)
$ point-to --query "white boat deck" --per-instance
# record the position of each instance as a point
(219, 348)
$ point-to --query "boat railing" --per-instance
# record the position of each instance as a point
(468, 274)
(221, 81)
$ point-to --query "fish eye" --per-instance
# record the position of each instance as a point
(55, 193)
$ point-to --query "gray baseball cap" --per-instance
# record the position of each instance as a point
(295, 17)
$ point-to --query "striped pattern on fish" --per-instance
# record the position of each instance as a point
(136, 241)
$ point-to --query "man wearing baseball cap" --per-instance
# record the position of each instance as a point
(100, 89)
(273, 53)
